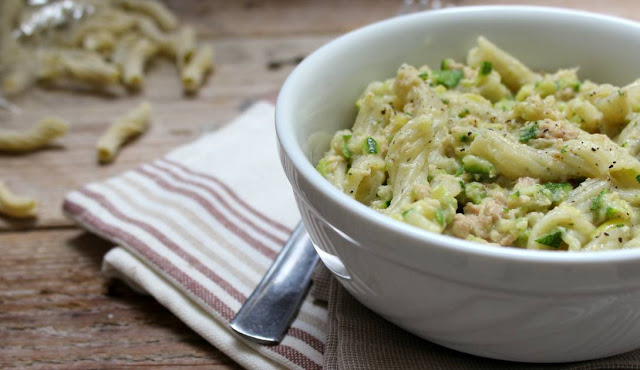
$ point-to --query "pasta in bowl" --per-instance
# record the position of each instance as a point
(521, 304)
(494, 152)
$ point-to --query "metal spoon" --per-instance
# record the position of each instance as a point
(265, 317)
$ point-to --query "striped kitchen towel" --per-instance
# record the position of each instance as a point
(198, 228)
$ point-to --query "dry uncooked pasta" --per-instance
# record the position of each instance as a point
(133, 67)
(84, 66)
(196, 69)
(115, 21)
(16, 206)
(34, 138)
(123, 129)
(123, 48)
(184, 45)
(108, 47)
(149, 30)
(153, 9)
(99, 40)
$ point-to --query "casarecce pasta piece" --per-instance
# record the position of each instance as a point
(184, 45)
(123, 48)
(515, 160)
(514, 73)
(154, 9)
(629, 138)
(149, 29)
(84, 66)
(34, 138)
(197, 68)
(576, 230)
(111, 20)
(593, 156)
(16, 206)
(407, 159)
(134, 62)
(123, 129)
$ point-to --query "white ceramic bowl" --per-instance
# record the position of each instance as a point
(503, 303)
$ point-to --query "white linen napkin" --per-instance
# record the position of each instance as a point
(199, 227)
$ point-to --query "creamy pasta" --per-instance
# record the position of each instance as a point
(493, 151)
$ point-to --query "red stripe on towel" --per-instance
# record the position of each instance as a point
(231, 193)
(213, 210)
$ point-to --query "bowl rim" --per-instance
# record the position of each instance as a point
(303, 166)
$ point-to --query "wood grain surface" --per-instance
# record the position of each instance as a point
(56, 310)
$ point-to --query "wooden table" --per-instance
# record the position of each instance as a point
(56, 310)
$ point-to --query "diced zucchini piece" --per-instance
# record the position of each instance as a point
(480, 166)
(485, 68)
(322, 166)
(475, 192)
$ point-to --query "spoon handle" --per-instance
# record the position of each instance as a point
(266, 315)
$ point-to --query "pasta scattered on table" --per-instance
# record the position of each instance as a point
(105, 51)
(123, 129)
(184, 45)
(16, 206)
(135, 60)
(494, 152)
(196, 69)
(37, 137)
(154, 9)
(86, 66)
(108, 48)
